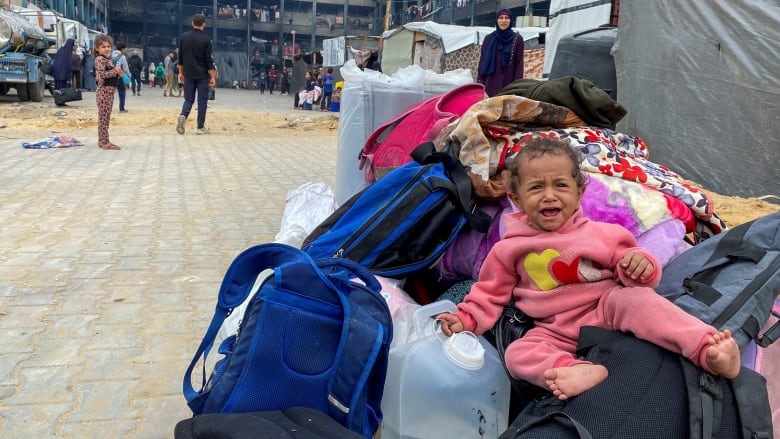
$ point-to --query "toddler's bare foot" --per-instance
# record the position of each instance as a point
(723, 355)
(567, 382)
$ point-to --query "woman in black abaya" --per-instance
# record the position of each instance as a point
(61, 65)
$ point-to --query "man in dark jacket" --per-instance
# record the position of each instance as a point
(136, 64)
(197, 71)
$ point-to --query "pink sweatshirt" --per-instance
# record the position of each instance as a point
(561, 278)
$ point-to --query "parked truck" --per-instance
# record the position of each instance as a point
(23, 57)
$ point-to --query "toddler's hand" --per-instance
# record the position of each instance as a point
(637, 266)
(450, 323)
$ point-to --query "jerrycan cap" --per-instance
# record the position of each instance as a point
(464, 349)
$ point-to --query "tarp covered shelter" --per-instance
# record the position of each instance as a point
(701, 85)
(441, 47)
(232, 66)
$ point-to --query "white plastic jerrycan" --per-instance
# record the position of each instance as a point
(444, 387)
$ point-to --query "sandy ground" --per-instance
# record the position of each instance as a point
(18, 120)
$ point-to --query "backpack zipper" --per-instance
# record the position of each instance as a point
(345, 247)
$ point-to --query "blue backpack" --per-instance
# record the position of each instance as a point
(403, 223)
(730, 280)
(311, 336)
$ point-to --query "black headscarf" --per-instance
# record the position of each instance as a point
(498, 41)
(61, 69)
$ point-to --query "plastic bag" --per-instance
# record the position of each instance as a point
(402, 308)
(307, 206)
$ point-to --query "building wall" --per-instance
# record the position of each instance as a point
(267, 25)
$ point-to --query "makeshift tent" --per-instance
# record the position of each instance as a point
(232, 66)
(700, 82)
(443, 47)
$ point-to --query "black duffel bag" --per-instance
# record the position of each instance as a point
(293, 423)
(650, 393)
(64, 95)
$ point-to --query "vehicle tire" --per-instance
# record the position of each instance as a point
(4, 89)
(35, 89)
(21, 90)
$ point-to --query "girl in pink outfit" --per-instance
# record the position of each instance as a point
(108, 78)
(566, 271)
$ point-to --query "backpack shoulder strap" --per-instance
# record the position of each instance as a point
(425, 153)
(366, 333)
(729, 245)
(706, 402)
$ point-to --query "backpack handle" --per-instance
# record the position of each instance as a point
(771, 334)
(550, 418)
(347, 269)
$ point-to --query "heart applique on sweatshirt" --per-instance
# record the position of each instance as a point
(578, 270)
(566, 273)
(536, 265)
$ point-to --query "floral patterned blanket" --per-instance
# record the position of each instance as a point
(493, 130)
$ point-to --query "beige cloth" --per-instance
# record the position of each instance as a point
(483, 154)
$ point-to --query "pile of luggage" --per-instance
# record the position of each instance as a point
(326, 329)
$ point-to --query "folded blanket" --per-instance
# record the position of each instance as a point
(53, 142)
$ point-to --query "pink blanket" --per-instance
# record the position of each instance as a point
(768, 364)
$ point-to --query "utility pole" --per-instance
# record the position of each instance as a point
(388, 7)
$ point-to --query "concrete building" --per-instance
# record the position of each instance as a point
(269, 31)
(251, 35)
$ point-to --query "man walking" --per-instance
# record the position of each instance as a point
(272, 76)
(285, 82)
(170, 74)
(197, 71)
(136, 64)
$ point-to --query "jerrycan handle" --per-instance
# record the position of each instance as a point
(424, 324)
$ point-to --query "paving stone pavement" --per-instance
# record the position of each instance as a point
(110, 262)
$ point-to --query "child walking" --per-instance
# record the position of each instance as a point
(327, 90)
(566, 271)
(107, 77)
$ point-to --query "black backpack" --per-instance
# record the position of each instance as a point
(650, 393)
